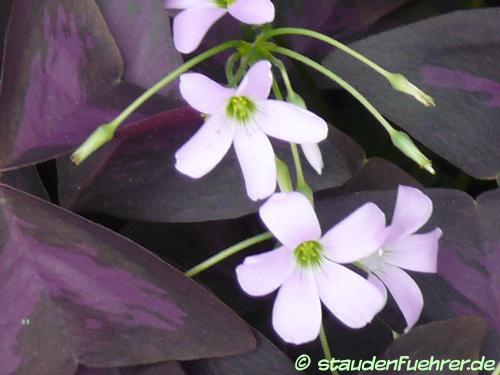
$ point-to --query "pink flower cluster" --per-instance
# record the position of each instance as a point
(309, 268)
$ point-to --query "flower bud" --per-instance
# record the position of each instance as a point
(102, 135)
(404, 143)
(400, 83)
(296, 99)
(305, 189)
(283, 176)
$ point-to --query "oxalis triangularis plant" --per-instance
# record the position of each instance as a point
(308, 267)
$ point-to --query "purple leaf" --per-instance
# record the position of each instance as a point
(337, 18)
(489, 207)
(141, 29)
(25, 179)
(464, 282)
(380, 174)
(62, 78)
(458, 69)
(454, 339)
(266, 359)
(74, 292)
(165, 368)
(134, 175)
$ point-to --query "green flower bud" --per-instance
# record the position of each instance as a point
(294, 98)
(102, 135)
(283, 175)
(400, 82)
(404, 143)
(305, 189)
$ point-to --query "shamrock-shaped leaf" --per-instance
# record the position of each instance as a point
(455, 339)
(25, 179)
(141, 28)
(458, 69)
(61, 79)
(74, 292)
(134, 175)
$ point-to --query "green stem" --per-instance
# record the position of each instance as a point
(105, 133)
(171, 77)
(219, 257)
(284, 74)
(298, 164)
(276, 90)
(242, 69)
(333, 42)
(344, 84)
(295, 152)
(230, 69)
(326, 348)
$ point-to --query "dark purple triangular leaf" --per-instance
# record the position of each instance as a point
(25, 179)
(165, 368)
(134, 175)
(454, 339)
(380, 174)
(463, 284)
(266, 359)
(73, 292)
(458, 69)
(61, 79)
(489, 208)
(141, 28)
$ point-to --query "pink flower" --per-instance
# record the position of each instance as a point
(404, 249)
(307, 267)
(191, 25)
(243, 117)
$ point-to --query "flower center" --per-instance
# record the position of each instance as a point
(309, 254)
(240, 108)
(224, 3)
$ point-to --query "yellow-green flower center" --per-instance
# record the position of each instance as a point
(224, 3)
(240, 109)
(309, 254)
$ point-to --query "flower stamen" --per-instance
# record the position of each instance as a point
(224, 4)
(241, 109)
(309, 254)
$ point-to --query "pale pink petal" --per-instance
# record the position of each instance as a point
(405, 291)
(261, 274)
(191, 25)
(206, 148)
(204, 94)
(375, 281)
(253, 12)
(357, 236)
(291, 218)
(256, 157)
(350, 297)
(313, 155)
(297, 309)
(183, 4)
(257, 82)
(289, 122)
(417, 252)
(413, 209)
